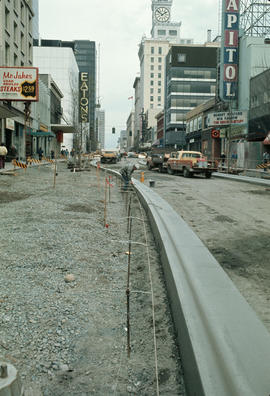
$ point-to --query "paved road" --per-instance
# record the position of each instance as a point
(233, 220)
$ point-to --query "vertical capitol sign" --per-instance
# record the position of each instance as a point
(83, 97)
(229, 50)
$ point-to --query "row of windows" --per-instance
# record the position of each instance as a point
(152, 82)
(14, 59)
(257, 100)
(152, 90)
(159, 67)
(194, 87)
(22, 15)
(189, 101)
(193, 73)
(194, 125)
(152, 75)
(159, 50)
(153, 59)
(164, 32)
(152, 98)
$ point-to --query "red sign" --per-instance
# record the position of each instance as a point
(215, 133)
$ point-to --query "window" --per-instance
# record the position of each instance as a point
(161, 32)
(159, 75)
(151, 98)
(22, 42)
(151, 75)
(152, 50)
(159, 98)
(152, 82)
(15, 32)
(7, 54)
(15, 60)
(7, 18)
(22, 13)
(160, 50)
(159, 60)
(159, 67)
(151, 90)
(151, 106)
(159, 83)
(152, 67)
(159, 90)
(173, 32)
(181, 58)
(152, 59)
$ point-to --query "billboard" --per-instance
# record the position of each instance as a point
(19, 84)
(227, 118)
(83, 97)
(229, 50)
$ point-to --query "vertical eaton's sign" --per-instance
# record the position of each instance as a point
(84, 97)
(229, 50)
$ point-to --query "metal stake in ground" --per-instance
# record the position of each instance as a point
(128, 291)
(105, 201)
(55, 172)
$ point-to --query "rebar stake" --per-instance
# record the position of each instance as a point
(128, 291)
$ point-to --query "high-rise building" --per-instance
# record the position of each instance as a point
(61, 64)
(190, 81)
(162, 27)
(85, 55)
(100, 128)
(16, 49)
(152, 54)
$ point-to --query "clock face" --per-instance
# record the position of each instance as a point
(162, 14)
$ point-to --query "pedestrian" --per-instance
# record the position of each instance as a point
(13, 152)
(223, 157)
(3, 153)
(72, 152)
(126, 173)
(40, 153)
(266, 160)
(52, 154)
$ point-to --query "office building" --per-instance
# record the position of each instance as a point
(100, 128)
(16, 49)
(190, 81)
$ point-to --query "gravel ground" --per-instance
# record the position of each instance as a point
(63, 289)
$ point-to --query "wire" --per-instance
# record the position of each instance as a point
(153, 300)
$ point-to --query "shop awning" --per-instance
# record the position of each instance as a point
(8, 111)
(42, 134)
(63, 128)
(267, 139)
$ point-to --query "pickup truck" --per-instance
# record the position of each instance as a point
(189, 163)
(108, 157)
(157, 160)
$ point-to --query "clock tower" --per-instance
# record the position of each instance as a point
(161, 11)
(162, 27)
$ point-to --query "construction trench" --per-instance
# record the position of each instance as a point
(82, 295)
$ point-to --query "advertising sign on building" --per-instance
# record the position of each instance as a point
(229, 50)
(10, 124)
(19, 84)
(227, 118)
(83, 97)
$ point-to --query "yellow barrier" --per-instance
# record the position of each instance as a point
(19, 164)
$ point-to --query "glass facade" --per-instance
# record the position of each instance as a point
(190, 81)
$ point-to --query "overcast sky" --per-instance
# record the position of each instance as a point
(118, 26)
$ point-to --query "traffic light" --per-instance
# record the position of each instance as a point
(113, 129)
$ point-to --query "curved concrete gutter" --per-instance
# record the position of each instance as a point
(225, 348)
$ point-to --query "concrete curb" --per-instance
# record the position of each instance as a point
(244, 179)
(225, 348)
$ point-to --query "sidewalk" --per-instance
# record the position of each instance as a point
(245, 179)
